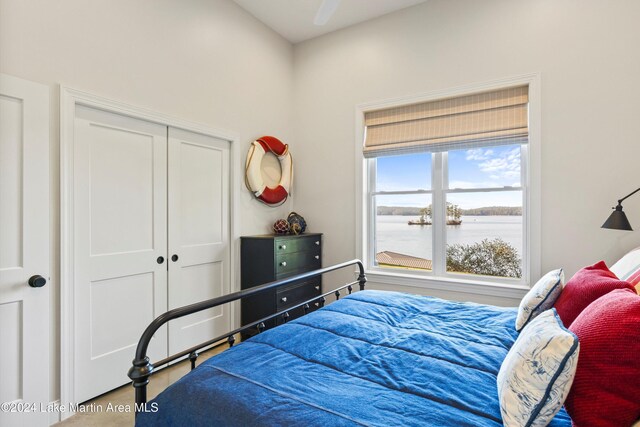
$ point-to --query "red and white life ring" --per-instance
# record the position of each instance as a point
(253, 170)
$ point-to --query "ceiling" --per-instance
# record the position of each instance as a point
(293, 19)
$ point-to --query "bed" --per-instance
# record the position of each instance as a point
(371, 358)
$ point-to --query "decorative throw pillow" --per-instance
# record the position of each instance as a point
(627, 266)
(535, 377)
(540, 297)
(586, 286)
(606, 388)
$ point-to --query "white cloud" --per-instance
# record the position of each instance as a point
(503, 166)
(479, 154)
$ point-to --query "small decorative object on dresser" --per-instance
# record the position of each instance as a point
(281, 226)
(264, 259)
(297, 224)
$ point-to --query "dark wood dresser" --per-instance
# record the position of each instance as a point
(272, 257)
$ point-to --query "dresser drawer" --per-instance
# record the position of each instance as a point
(298, 293)
(287, 264)
(297, 244)
(266, 258)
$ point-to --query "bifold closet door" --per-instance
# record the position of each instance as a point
(199, 237)
(120, 244)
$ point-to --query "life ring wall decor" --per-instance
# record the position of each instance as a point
(272, 196)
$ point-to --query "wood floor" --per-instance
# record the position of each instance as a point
(124, 396)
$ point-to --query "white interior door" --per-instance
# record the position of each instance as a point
(120, 231)
(199, 250)
(24, 250)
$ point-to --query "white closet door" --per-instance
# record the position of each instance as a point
(120, 228)
(24, 251)
(198, 234)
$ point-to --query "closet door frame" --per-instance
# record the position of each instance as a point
(69, 99)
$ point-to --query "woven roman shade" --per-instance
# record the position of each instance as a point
(483, 119)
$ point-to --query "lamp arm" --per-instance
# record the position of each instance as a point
(628, 195)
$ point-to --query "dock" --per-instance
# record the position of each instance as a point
(394, 259)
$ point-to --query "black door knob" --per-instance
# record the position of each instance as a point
(37, 281)
(174, 257)
(160, 260)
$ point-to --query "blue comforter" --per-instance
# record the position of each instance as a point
(374, 358)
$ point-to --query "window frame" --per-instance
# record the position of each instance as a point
(439, 191)
(438, 278)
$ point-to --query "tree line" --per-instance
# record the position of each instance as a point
(485, 211)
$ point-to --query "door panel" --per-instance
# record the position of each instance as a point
(11, 354)
(200, 175)
(198, 234)
(11, 164)
(133, 295)
(24, 247)
(120, 230)
(121, 221)
(193, 282)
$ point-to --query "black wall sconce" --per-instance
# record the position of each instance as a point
(618, 219)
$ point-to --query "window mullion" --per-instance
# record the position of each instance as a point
(395, 193)
(439, 213)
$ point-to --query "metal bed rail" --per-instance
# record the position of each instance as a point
(142, 368)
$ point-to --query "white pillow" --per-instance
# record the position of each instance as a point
(536, 376)
(627, 265)
(540, 297)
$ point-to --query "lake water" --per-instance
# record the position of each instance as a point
(395, 235)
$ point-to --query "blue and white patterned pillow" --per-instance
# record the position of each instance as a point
(536, 376)
(540, 297)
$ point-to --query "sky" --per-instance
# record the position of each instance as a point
(488, 167)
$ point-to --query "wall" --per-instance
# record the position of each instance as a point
(206, 61)
(590, 103)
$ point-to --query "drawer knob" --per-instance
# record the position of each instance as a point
(283, 299)
(283, 246)
(317, 242)
(317, 257)
(283, 263)
(317, 287)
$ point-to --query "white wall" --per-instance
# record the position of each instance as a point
(209, 61)
(206, 61)
(585, 51)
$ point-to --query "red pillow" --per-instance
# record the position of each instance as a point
(606, 387)
(586, 286)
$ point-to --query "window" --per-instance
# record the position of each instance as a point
(445, 204)
(402, 193)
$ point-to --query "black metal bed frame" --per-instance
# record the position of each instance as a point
(142, 368)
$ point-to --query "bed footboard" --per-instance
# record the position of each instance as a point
(142, 368)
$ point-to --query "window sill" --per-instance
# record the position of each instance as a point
(504, 290)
